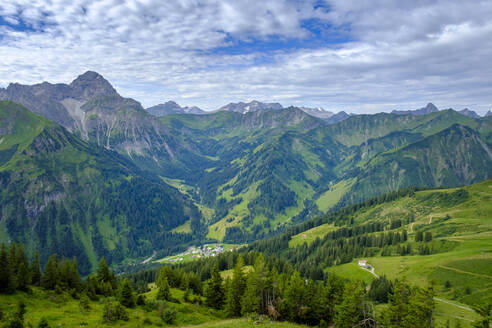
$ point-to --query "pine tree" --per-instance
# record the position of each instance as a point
(36, 271)
(235, 290)
(51, 276)
(295, 298)
(163, 292)
(105, 278)
(421, 308)
(399, 308)
(6, 277)
(74, 280)
(332, 295)
(126, 296)
(350, 311)
(23, 277)
(214, 293)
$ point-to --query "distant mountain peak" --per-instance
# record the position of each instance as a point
(432, 107)
(317, 112)
(252, 106)
(489, 113)
(429, 108)
(91, 84)
(172, 107)
(469, 113)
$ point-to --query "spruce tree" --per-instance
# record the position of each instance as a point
(250, 302)
(350, 311)
(6, 277)
(421, 308)
(398, 310)
(235, 290)
(214, 292)
(74, 279)
(106, 279)
(51, 276)
(23, 277)
(295, 297)
(36, 271)
(126, 296)
(163, 292)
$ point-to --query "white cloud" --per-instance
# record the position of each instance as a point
(402, 54)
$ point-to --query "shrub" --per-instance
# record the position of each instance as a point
(43, 323)
(169, 315)
(114, 311)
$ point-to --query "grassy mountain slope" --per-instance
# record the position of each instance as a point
(259, 171)
(60, 194)
(455, 156)
(458, 258)
(61, 310)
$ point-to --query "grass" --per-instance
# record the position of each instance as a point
(61, 310)
(331, 197)
(462, 270)
(310, 235)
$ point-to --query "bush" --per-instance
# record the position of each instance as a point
(152, 305)
(84, 304)
(140, 300)
(43, 323)
(114, 311)
(169, 315)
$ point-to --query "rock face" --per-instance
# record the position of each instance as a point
(253, 106)
(338, 117)
(469, 113)
(317, 112)
(172, 107)
(92, 109)
(430, 108)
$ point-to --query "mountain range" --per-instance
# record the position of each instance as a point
(171, 107)
(125, 181)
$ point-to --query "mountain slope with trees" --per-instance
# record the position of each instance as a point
(60, 194)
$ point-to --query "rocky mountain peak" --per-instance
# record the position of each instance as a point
(429, 108)
(172, 107)
(91, 85)
(252, 106)
(469, 113)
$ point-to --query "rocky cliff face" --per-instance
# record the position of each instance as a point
(92, 109)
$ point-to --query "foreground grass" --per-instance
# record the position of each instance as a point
(61, 310)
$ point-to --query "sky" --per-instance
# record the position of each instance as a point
(359, 56)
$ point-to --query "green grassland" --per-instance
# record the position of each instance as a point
(461, 268)
(332, 196)
(61, 310)
(310, 235)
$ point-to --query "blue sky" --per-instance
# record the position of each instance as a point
(357, 56)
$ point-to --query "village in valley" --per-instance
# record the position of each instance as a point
(198, 252)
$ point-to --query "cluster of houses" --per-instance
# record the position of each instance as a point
(199, 252)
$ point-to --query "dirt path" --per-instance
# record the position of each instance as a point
(466, 272)
(454, 304)
(371, 270)
(150, 258)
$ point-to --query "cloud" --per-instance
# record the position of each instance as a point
(394, 54)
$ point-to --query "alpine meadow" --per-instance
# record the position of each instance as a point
(143, 185)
